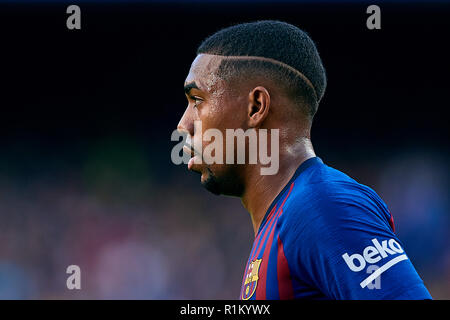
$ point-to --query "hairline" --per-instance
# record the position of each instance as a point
(270, 60)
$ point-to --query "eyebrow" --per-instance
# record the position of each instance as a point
(191, 85)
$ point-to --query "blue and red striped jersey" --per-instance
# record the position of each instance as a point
(326, 236)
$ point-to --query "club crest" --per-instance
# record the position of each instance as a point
(251, 279)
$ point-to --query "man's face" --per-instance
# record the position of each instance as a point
(216, 105)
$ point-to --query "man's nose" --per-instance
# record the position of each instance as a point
(186, 123)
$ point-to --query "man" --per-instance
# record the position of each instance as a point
(318, 233)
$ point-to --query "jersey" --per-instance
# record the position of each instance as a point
(326, 236)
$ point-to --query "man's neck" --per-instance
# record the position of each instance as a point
(261, 190)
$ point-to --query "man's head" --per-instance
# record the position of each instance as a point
(260, 75)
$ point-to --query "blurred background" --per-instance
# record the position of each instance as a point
(85, 125)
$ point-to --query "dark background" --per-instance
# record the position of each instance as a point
(85, 124)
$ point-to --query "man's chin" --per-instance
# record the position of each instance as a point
(216, 185)
(210, 182)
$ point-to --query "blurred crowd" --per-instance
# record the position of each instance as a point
(140, 235)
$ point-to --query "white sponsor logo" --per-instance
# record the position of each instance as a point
(373, 254)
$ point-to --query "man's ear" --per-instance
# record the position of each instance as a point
(258, 106)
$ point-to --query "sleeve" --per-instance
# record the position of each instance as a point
(344, 248)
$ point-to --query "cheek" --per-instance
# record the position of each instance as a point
(212, 115)
(216, 109)
(236, 115)
(220, 115)
(207, 117)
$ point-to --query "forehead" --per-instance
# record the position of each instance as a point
(203, 71)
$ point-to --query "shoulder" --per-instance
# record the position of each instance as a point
(324, 199)
(329, 224)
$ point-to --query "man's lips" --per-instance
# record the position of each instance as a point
(189, 150)
(192, 153)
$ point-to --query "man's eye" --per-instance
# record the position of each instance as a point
(197, 101)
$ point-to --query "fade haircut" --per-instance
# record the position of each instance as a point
(275, 50)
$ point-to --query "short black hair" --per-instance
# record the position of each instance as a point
(274, 40)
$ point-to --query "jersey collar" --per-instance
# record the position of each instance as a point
(303, 166)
